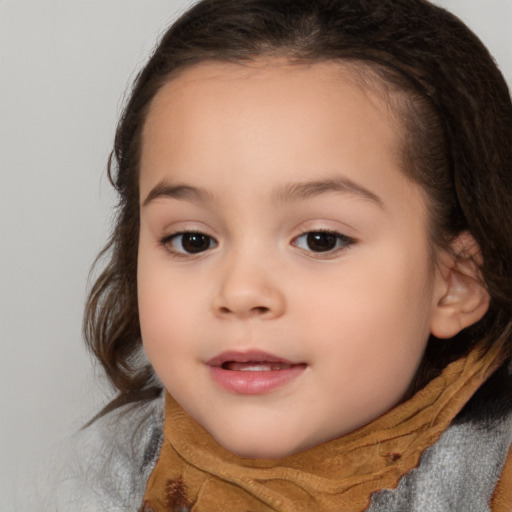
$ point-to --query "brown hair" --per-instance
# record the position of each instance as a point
(457, 130)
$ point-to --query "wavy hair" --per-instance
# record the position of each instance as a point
(456, 120)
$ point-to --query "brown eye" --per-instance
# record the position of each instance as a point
(190, 243)
(322, 241)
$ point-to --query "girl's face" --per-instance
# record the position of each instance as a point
(286, 285)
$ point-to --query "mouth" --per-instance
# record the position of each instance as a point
(253, 361)
(253, 373)
(254, 366)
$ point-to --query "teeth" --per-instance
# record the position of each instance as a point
(253, 366)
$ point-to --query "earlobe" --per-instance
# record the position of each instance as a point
(462, 299)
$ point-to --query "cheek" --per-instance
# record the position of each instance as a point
(166, 332)
(376, 314)
(162, 308)
(174, 311)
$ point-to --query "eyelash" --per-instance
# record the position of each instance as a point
(167, 242)
(341, 242)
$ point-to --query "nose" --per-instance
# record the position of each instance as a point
(248, 288)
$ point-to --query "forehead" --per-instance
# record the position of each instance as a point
(269, 120)
(302, 91)
(267, 74)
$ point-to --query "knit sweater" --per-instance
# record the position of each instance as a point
(113, 459)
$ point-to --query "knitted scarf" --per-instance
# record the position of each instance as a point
(194, 472)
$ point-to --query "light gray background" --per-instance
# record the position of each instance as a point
(64, 66)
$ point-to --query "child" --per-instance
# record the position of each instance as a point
(313, 250)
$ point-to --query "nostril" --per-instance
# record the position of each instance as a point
(260, 309)
(256, 310)
(245, 302)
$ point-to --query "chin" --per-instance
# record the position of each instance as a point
(260, 453)
(261, 449)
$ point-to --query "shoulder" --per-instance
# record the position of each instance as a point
(461, 471)
(108, 463)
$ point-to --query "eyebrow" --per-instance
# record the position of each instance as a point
(309, 189)
(288, 193)
(177, 191)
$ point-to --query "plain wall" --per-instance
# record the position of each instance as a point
(64, 67)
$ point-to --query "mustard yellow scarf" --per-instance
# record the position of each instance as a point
(195, 473)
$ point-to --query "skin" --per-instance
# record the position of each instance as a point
(357, 317)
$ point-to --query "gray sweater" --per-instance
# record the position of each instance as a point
(112, 459)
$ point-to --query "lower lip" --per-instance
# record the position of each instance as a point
(255, 382)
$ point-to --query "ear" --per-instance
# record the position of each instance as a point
(460, 298)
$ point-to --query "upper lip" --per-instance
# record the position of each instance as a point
(254, 356)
